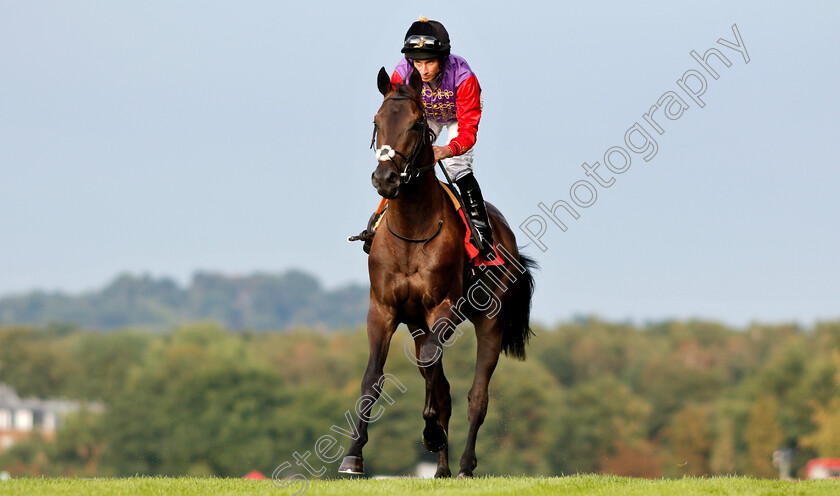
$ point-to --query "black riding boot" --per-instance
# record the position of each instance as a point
(477, 211)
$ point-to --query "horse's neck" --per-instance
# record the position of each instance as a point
(417, 207)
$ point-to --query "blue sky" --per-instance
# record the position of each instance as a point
(168, 137)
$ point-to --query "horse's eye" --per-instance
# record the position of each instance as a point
(417, 126)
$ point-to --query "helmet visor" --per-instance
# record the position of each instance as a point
(415, 42)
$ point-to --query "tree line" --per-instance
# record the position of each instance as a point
(666, 399)
(254, 302)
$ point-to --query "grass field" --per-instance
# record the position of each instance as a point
(573, 485)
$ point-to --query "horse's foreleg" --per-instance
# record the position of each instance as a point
(487, 356)
(444, 402)
(381, 326)
(438, 405)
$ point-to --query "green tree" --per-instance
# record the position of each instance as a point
(763, 436)
(79, 444)
(722, 457)
(825, 439)
(690, 441)
(197, 402)
(601, 411)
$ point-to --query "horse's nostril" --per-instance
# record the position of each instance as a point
(385, 180)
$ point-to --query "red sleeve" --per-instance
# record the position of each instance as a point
(468, 101)
(396, 79)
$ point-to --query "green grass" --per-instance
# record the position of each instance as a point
(574, 485)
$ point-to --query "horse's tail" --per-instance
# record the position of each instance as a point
(515, 315)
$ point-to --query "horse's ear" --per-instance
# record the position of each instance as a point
(416, 82)
(383, 82)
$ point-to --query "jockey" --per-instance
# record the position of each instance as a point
(451, 97)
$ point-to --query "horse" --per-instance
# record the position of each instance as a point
(418, 277)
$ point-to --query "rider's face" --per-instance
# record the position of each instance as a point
(428, 69)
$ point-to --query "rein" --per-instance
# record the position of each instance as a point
(385, 152)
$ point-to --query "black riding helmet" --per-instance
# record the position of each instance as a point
(426, 40)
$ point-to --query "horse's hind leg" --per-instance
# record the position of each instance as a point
(438, 405)
(487, 356)
(381, 326)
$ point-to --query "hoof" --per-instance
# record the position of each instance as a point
(443, 473)
(434, 438)
(352, 465)
(464, 475)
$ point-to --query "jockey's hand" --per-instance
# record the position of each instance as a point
(442, 152)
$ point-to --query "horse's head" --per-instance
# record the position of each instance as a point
(401, 135)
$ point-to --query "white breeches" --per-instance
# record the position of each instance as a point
(456, 167)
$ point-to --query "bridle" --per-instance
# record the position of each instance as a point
(385, 153)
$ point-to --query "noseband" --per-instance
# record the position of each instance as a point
(385, 153)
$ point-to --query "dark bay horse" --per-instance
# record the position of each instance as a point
(417, 277)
